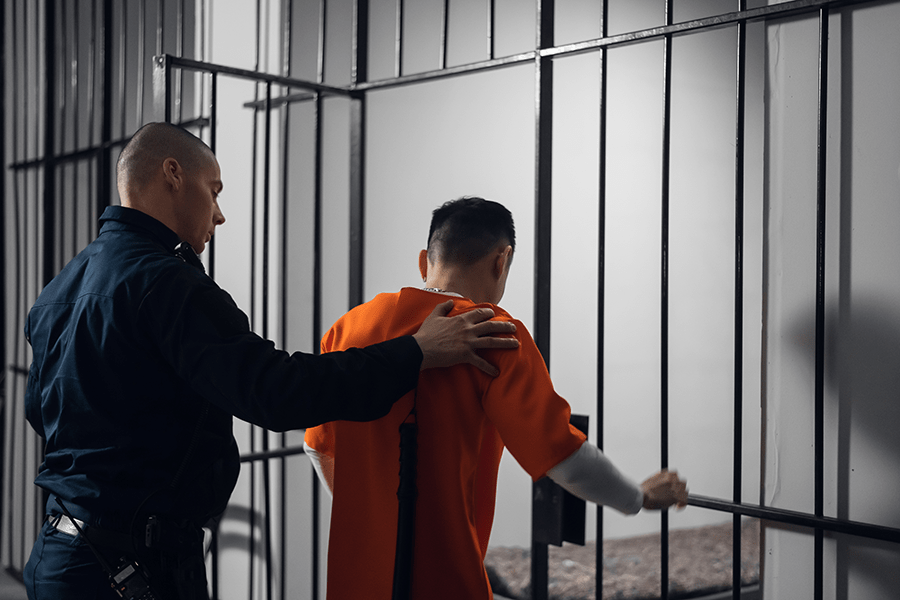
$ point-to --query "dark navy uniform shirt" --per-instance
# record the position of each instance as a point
(140, 360)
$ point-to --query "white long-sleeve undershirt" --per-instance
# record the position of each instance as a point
(324, 467)
(591, 476)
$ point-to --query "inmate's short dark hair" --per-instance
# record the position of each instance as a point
(465, 230)
(151, 145)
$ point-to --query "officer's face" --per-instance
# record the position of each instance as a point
(202, 213)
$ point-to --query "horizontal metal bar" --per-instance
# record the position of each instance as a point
(92, 151)
(258, 76)
(278, 453)
(867, 530)
(282, 100)
(18, 370)
(775, 11)
(485, 65)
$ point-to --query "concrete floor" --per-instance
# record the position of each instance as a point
(10, 587)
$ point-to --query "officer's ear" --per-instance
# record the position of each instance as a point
(173, 174)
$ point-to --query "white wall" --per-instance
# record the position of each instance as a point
(862, 279)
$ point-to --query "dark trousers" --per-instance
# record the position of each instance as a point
(63, 567)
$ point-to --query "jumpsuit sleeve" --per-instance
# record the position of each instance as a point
(531, 418)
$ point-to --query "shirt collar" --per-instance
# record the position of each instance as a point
(120, 217)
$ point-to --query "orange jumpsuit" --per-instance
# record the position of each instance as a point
(465, 418)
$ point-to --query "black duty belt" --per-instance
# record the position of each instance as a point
(102, 537)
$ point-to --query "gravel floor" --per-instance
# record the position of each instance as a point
(700, 562)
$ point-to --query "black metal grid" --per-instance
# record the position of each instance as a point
(34, 172)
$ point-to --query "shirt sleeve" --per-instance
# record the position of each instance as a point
(590, 475)
(531, 418)
(206, 339)
(323, 464)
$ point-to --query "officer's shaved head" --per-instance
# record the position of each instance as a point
(142, 157)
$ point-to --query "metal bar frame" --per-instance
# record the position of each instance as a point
(3, 287)
(738, 391)
(542, 58)
(543, 168)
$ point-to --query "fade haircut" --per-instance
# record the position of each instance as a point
(465, 230)
(143, 155)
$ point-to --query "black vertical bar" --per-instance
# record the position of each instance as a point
(123, 59)
(4, 292)
(254, 162)
(162, 88)
(49, 269)
(822, 125)
(253, 310)
(141, 53)
(543, 211)
(601, 281)
(267, 159)
(16, 244)
(75, 116)
(213, 128)
(287, 16)
(62, 57)
(315, 487)
(160, 24)
(664, 298)
(445, 29)
(104, 161)
(179, 51)
(491, 28)
(740, 85)
(267, 483)
(320, 48)
(213, 115)
(398, 40)
(360, 74)
(91, 117)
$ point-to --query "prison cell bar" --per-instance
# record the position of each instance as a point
(543, 107)
(821, 141)
(18, 260)
(213, 141)
(491, 20)
(445, 29)
(359, 74)
(315, 489)
(664, 294)
(398, 39)
(286, 50)
(739, 119)
(3, 323)
(267, 215)
(251, 578)
(601, 282)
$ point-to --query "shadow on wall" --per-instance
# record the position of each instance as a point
(862, 388)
